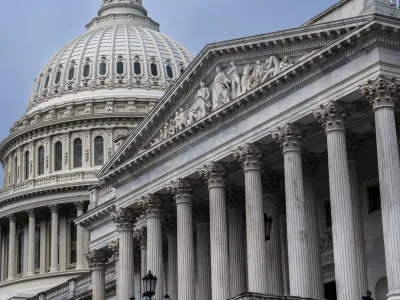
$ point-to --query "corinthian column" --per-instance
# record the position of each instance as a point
(237, 241)
(332, 117)
(290, 139)
(140, 235)
(152, 206)
(97, 260)
(249, 155)
(124, 221)
(113, 246)
(54, 239)
(31, 242)
(11, 246)
(214, 176)
(183, 198)
(383, 94)
(201, 215)
(172, 274)
(80, 236)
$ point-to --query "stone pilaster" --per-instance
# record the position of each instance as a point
(237, 241)
(54, 239)
(97, 260)
(140, 234)
(11, 246)
(31, 242)
(332, 117)
(172, 278)
(124, 220)
(152, 206)
(214, 176)
(182, 192)
(80, 236)
(201, 215)
(383, 93)
(290, 139)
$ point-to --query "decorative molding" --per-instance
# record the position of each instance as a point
(332, 115)
(289, 137)
(249, 156)
(124, 219)
(213, 174)
(151, 205)
(181, 190)
(382, 92)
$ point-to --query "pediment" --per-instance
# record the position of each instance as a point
(229, 73)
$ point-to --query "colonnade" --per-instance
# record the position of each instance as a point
(222, 242)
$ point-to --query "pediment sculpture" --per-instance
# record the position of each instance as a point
(227, 86)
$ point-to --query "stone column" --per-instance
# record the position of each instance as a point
(310, 164)
(140, 235)
(31, 242)
(54, 239)
(152, 206)
(249, 155)
(80, 236)
(289, 137)
(113, 247)
(332, 117)
(97, 261)
(383, 93)
(11, 247)
(172, 278)
(237, 241)
(124, 221)
(201, 214)
(353, 144)
(186, 278)
(214, 176)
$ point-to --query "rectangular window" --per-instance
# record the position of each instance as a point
(328, 215)
(374, 198)
(330, 290)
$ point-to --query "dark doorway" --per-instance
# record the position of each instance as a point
(330, 290)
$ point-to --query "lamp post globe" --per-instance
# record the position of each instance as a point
(149, 285)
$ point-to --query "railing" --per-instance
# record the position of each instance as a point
(106, 193)
(254, 296)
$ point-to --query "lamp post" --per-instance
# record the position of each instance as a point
(149, 284)
(268, 226)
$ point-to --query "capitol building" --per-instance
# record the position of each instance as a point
(265, 168)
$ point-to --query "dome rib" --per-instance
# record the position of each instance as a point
(96, 55)
(146, 67)
(112, 54)
(159, 56)
(128, 55)
(82, 58)
(173, 59)
(179, 51)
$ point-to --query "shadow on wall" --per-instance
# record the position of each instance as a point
(381, 289)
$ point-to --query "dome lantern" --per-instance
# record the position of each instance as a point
(135, 7)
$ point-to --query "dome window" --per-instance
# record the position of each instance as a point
(37, 247)
(137, 68)
(71, 73)
(98, 151)
(58, 77)
(26, 165)
(78, 153)
(170, 73)
(154, 69)
(120, 68)
(46, 83)
(103, 68)
(41, 160)
(21, 240)
(58, 157)
(86, 70)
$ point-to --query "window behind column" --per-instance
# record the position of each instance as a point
(58, 156)
(374, 198)
(41, 160)
(73, 235)
(328, 214)
(20, 262)
(77, 153)
(37, 247)
(99, 151)
(26, 165)
(15, 169)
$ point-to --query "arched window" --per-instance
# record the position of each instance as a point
(46, 83)
(73, 234)
(86, 70)
(99, 151)
(103, 68)
(154, 70)
(41, 160)
(20, 262)
(170, 73)
(71, 73)
(77, 153)
(58, 77)
(120, 68)
(58, 156)
(137, 68)
(26, 165)
(37, 247)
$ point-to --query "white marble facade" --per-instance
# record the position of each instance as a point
(298, 130)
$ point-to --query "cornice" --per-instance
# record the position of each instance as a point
(97, 214)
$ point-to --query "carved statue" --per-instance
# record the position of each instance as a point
(274, 62)
(285, 64)
(171, 128)
(236, 83)
(203, 94)
(181, 123)
(246, 78)
(221, 89)
(257, 76)
(177, 121)
(199, 110)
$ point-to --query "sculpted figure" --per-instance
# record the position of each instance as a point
(273, 67)
(285, 64)
(182, 120)
(257, 76)
(165, 131)
(246, 78)
(199, 110)
(236, 83)
(203, 94)
(221, 89)
(171, 128)
(177, 121)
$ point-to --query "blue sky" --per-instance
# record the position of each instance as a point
(31, 31)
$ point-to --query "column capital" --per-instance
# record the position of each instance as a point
(332, 115)
(31, 212)
(12, 217)
(114, 248)
(235, 198)
(249, 156)
(80, 205)
(124, 219)
(201, 212)
(170, 224)
(214, 174)
(140, 235)
(381, 92)
(97, 258)
(181, 190)
(289, 137)
(54, 208)
(311, 161)
(151, 204)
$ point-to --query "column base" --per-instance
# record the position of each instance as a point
(10, 278)
(394, 295)
(52, 270)
(30, 274)
(79, 268)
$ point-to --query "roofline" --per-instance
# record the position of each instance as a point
(325, 12)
